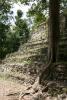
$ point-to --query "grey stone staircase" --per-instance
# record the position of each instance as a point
(35, 50)
(29, 50)
(63, 47)
(60, 72)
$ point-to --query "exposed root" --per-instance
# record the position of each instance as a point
(46, 72)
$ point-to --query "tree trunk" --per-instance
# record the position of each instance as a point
(54, 31)
(54, 7)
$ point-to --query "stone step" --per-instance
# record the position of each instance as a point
(62, 56)
(24, 58)
(27, 54)
(36, 49)
(28, 51)
(64, 38)
(36, 43)
(34, 46)
(62, 43)
(39, 40)
(62, 46)
(60, 72)
(63, 34)
(62, 50)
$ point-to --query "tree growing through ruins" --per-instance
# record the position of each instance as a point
(54, 31)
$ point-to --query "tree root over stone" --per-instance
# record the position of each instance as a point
(52, 91)
(49, 89)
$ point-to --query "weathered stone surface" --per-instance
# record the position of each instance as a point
(60, 72)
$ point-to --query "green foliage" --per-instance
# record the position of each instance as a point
(4, 26)
(40, 8)
(10, 39)
(4, 10)
(22, 29)
(64, 4)
(38, 11)
(12, 42)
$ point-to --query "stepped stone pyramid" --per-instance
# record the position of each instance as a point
(35, 50)
(62, 48)
(60, 71)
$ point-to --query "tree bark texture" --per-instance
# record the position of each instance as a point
(54, 9)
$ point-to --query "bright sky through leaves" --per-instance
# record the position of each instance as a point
(19, 6)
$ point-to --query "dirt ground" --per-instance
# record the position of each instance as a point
(9, 90)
